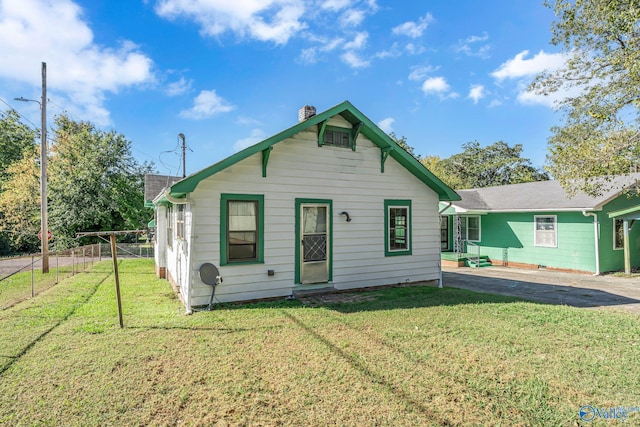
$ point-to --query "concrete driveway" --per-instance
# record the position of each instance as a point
(551, 287)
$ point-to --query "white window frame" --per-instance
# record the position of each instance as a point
(535, 231)
(180, 209)
(465, 225)
(621, 247)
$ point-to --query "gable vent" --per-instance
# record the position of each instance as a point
(306, 112)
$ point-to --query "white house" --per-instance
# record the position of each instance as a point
(330, 202)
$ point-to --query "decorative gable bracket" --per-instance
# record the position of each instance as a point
(384, 153)
(265, 159)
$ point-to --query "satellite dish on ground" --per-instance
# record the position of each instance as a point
(210, 275)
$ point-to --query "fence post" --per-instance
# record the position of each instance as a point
(99, 252)
(33, 293)
(73, 262)
(84, 258)
(57, 267)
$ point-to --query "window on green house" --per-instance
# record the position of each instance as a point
(242, 230)
(546, 231)
(470, 228)
(618, 234)
(397, 227)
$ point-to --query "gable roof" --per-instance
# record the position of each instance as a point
(154, 184)
(540, 196)
(353, 116)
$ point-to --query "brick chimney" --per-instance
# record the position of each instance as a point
(306, 112)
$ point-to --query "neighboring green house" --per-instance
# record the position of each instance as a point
(538, 225)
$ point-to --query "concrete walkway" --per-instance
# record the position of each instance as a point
(551, 287)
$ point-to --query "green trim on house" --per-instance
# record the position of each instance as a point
(400, 203)
(350, 114)
(630, 213)
(265, 160)
(300, 202)
(224, 198)
(384, 153)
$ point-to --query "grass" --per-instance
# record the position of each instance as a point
(410, 356)
(18, 287)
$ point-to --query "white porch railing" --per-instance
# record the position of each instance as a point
(477, 250)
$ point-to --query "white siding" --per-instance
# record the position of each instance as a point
(298, 168)
(178, 257)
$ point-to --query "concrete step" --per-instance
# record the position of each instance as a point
(483, 263)
(308, 291)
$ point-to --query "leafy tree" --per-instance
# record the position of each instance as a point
(95, 182)
(17, 143)
(15, 138)
(601, 76)
(20, 204)
(441, 168)
(402, 142)
(476, 166)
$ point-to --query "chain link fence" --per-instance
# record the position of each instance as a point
(21, 277)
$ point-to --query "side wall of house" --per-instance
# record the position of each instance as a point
(352, 180)
(177, 252)
(160, 241)
(509, 238)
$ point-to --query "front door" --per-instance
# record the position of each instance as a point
(314, 243)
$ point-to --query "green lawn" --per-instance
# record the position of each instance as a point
(411, 356)
(18, 287)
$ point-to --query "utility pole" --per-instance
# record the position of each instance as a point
(44, 225)
(184, 154)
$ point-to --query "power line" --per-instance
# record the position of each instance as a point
(35, 127)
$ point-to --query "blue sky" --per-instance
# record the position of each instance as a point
(227, 74)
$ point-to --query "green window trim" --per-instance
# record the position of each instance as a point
(224, 202)
(351, 133)
(388, 205)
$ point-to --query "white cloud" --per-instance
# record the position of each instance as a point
(413, 29)
(438, 86)
(435, 85)
(352, 18)
(522, 70)
(518, 66)
(80, 71)
(469, 46)
(354, 60)
(271, 20)
(179, 87)
(335, 4)
(359, 41)
(207, 104)
(477, 92)
(256, 136)
(420, 73)
(385, 124)
(495, 103)
(308, 56)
